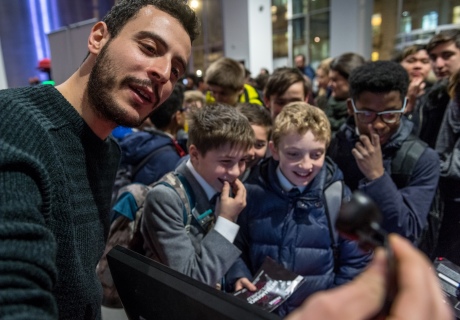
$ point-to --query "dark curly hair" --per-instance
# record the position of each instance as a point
(379, 77)
(126, 10)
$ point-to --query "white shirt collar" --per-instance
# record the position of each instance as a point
(208, 189)
(285, 183)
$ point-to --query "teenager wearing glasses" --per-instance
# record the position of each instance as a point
(366, 147)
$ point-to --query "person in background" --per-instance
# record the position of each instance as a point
(192, 99)
(190, 82)
(261, 122)
(260, 82)
(368, 144)
(448, 148)
(58, 161)
(444, 52)
(340, 69)
(285, 85)
(416, 61)
(225, 79)
(322, 84)
(304, 67)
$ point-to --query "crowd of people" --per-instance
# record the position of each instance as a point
(259, 156)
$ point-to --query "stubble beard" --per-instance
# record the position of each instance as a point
(102, 82)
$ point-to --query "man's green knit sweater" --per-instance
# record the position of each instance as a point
(56, 177)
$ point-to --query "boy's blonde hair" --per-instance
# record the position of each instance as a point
(226, 73)
(300, 117)
(217, 125)
(191, 96)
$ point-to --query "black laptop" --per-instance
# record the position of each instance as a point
(152, 291)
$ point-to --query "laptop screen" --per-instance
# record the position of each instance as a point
(150, 290)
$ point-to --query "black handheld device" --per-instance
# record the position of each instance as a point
(360, 220)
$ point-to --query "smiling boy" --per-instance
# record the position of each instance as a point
(285, 85)
(286, 217)
(364, 149)
(220, 140)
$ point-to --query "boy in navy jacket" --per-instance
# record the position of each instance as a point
(286, 218)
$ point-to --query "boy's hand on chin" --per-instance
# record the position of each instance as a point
(228, 207)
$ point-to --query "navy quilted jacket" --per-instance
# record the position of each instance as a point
(294, 232)
(138, 145)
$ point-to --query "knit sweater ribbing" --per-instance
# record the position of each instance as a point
(55, 187)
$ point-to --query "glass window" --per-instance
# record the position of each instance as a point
(298, 30)
(279, 27)
(299, 7)
(430, 21)
(319, 37)
(319, 4)
(208, 46)
(456, 15)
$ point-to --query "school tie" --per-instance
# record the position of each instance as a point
(294, 193)
(213, 200)
(209, 216)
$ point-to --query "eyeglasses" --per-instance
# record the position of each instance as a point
(366, 116)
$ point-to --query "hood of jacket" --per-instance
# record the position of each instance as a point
(138, 145)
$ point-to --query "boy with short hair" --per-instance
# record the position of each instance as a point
(285, 85)
(444, 52)
(366, 146)
(225, 79)
(286, 217)
(261, 122)
(220, 139)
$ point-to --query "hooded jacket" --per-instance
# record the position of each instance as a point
(136, 146)
(404, 210)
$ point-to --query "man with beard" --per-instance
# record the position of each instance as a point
(58, 161)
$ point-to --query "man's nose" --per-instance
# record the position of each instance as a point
(160, 69)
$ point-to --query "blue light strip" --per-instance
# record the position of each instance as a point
(55, 15)
(41, 24)
(46, 26)
(36, 30)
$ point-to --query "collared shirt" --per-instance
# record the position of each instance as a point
(225, 227)
(285, 183)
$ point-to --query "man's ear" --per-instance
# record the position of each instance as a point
(350, 107)
(98, 37)
(273, 151)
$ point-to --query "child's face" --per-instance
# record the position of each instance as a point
(294, 93)
(225, 95)
(377, 102)
(260, 146)
(300, 157)
(340, 89)
(219, 165)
